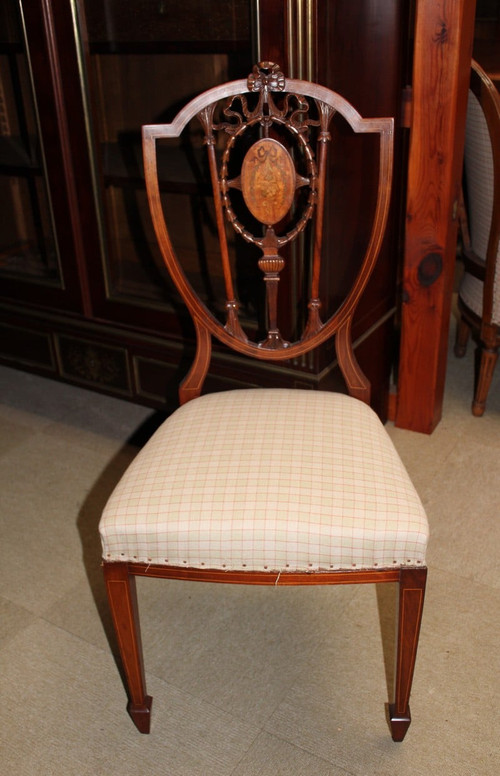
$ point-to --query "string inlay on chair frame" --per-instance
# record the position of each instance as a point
(326, 500)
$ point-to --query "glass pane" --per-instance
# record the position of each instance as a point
(27, 242)
(142, 68)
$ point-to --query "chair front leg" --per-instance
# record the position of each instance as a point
(411, 600)
(122, 597)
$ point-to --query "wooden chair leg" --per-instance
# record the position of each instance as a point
(411, 601)
(487, 363)
(462, 337)
(122, 596)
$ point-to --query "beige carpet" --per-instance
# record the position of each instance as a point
(246, 681)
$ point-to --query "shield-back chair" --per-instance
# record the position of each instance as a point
(269, 486)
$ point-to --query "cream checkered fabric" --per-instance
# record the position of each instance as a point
(479, 175)
(276, 479)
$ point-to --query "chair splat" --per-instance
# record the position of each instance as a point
(268, 179)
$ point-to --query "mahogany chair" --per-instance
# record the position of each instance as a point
(479, 292)
(268, 486)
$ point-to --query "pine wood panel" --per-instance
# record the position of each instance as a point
(441, 64)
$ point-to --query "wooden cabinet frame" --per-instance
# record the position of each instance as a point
(439, 42)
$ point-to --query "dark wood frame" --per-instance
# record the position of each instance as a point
(485, 270)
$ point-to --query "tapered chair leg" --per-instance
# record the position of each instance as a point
(122, 596)
(411, 601)
(462, 337)
(487, 363)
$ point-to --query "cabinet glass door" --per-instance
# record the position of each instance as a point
(28, 248)
(142, 62)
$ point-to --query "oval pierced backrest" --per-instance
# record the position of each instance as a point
(267, 143)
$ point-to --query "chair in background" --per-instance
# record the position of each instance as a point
(269, 486)
(479, 292)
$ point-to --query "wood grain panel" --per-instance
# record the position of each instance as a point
(443, 46)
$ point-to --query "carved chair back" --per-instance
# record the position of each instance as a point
(267, 141)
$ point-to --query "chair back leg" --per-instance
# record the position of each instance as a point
(411, 601)
(488, 358)
(462, 338)
(122, 597)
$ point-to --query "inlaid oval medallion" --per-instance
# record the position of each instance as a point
(268, 181)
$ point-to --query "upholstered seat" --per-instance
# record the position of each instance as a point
(268, 479)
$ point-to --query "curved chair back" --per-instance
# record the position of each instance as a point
(482, 175)
(479, 293)
(267, 143)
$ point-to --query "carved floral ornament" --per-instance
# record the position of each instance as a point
(266, 75)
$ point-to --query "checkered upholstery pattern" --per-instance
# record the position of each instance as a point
(276, 479)
(479, 176)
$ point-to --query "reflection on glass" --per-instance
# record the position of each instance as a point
(27, 243)
(141, 68)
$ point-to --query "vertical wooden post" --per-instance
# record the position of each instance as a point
(441, 66)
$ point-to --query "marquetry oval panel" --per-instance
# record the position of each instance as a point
(268, 181)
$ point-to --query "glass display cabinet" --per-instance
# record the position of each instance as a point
(83, 293)
(28, 246)
(140, 65)
(78, 78)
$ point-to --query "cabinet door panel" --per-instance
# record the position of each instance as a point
(140, 68)
(28, 247)
(37, 243)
